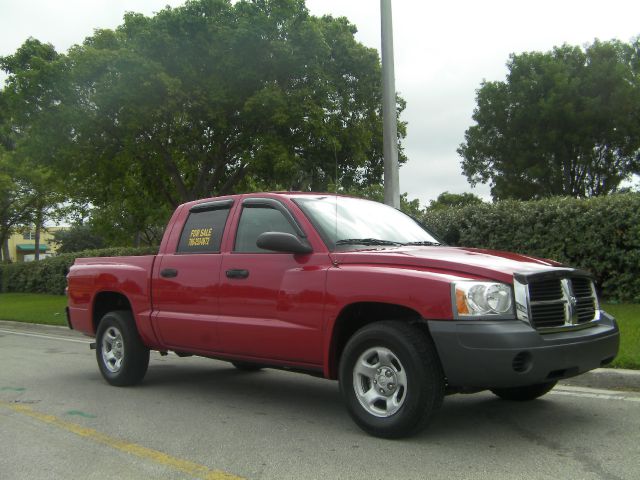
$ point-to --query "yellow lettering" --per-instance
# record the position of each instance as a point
(200, 237)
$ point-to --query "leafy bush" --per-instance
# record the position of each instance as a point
(600, 235)
(49, 275)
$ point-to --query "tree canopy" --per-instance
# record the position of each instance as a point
(448, 200)
(565, 122)
(205, 99)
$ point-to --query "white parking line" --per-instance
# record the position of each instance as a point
(39, 335)
(594, 393)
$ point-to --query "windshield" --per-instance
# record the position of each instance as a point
(348, 223)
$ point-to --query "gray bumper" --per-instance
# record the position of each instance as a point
(510, 353)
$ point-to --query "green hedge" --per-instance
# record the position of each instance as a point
(49, 275)
(600, 235)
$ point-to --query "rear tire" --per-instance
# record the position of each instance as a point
(524, 394)
(391, 379)
(122, 357)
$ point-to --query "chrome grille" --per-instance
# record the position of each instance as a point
(559, 302)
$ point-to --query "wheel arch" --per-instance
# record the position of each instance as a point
(357, 315)
(108, 301)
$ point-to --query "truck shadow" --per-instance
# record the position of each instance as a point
(479, 418)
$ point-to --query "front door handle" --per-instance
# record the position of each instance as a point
(237, 273)
(169, 273)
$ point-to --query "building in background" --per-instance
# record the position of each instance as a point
(22, 245)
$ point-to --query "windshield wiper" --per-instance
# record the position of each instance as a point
(424, 243)
(367, 242)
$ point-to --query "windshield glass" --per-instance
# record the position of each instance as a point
(348, 223)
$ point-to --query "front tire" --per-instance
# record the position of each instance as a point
(122, 357)
(524, 394)
(391, 379)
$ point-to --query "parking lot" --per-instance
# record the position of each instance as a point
(200, 418)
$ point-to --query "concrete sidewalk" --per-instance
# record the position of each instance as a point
(602, 378)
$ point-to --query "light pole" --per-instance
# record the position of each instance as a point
(389, 114)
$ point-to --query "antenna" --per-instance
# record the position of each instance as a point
(335, 186)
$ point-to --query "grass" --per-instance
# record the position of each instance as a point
(49, 309)
(33, 308)
(628, 316)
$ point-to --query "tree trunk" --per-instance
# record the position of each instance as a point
(37, 233)
(6, 255)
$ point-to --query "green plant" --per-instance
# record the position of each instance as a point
(600, 235)
(49, 275)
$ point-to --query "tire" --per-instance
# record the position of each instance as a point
(524, 394)
(121, 355)
(391, 379)
(247, 367)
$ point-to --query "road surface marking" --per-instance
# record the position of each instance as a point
(194, 469)
(597, 394)
(40, 335)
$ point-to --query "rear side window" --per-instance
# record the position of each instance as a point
(202, 231)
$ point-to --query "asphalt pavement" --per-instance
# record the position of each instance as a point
(200, 418)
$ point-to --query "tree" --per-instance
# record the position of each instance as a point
(77, 238)
(16, 204)
(30, 100)
(214, 98)
(564, 122)
(453, 200)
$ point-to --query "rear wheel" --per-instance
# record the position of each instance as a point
(122, 357)
(524, 394)
(391, 379)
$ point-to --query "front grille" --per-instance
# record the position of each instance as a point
(581, 287)
(548, 315)
(561, 302)
(545, 290)
(585, 309)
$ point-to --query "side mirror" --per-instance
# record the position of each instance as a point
(282, 242)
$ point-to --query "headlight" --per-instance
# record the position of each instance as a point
(476, 299)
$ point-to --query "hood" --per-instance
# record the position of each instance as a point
(488, 264)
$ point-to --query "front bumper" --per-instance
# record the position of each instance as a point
(510, 353)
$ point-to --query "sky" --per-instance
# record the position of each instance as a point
(443, 51)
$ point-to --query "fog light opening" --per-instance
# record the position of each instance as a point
(522, 362)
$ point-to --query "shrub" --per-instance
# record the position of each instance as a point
(600, 235)
(49, 275)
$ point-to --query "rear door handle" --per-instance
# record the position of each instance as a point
(169, 273)
(237, 273)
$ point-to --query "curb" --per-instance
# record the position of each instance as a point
(607, 379)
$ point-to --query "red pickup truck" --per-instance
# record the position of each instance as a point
(346, 289)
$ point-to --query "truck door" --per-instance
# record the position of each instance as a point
(186, 283)
(271, 303)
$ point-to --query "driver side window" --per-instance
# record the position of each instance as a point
(256, 220)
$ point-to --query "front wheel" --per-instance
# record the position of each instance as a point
(524, 394)
(122, 357)
(391, 379)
